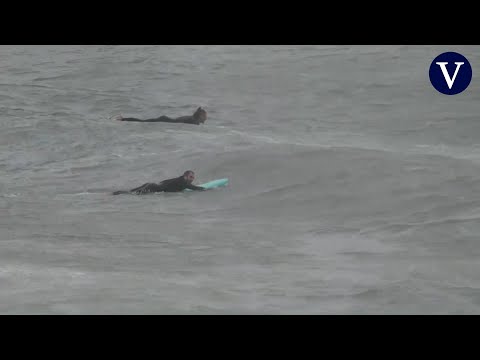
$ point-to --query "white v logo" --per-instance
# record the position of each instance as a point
(445, 72)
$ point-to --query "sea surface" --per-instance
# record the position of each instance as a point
(354, 184)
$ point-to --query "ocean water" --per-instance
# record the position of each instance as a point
(354, 185)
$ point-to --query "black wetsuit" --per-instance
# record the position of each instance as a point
(170, 185)
(181, 119)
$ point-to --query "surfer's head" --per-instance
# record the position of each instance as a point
(200, 115)
(189, 176)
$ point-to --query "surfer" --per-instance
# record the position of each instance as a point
(170, 185)
(198, 117)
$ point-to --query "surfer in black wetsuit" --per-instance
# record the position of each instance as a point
(171, 185)
(198, 117)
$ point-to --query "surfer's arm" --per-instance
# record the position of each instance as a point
(197, 188)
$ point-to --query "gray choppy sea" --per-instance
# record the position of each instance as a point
(354, 184)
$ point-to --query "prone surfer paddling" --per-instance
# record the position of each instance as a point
(170, 185)
(198, 117)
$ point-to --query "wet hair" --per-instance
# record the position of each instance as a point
(188, 172)
(200, 114)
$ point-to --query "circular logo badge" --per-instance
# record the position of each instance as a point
(450, 73)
